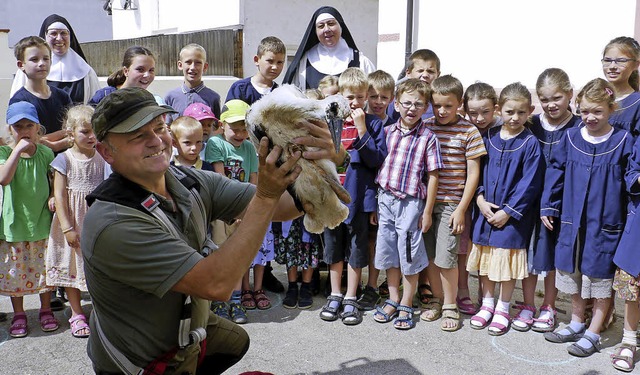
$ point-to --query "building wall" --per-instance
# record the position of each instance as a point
(498, 42)
(24, 17)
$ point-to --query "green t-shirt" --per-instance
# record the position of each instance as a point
(239, 162)
(25, 212)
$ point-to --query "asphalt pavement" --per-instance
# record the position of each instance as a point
(296, 341)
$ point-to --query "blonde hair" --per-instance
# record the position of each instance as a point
(448, 84)
(479, 91)
(184, 124)
(77, 116)
(554, 77)
(514, 91)
(195, 47)
(327, 81)
(353, 79)
(381, 81)
(598, 91)
(314, 94)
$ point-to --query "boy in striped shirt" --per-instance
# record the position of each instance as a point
(408, 182)
(461, 147)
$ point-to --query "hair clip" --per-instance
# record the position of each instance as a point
(608, 91)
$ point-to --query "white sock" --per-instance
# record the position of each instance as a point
(486, 315)
(629, 337)
(525, 315)
(503, 307)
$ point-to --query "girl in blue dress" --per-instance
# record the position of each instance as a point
(512, 174)
(620, 62)
(584, 194)
(554, 93)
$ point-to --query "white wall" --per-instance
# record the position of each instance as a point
(501, 41)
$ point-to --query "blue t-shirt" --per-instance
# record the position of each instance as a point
(50, 111)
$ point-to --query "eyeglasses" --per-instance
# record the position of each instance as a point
(54, 33)
(622, 61)
(416, 105)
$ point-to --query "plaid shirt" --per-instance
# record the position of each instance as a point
(411, 156)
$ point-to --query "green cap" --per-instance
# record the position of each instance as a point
(126, 110)
(234, 110)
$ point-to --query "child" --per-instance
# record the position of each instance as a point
(193, 63)
(554, 92)
(380, 95)
(480, 105)
(584, 195)
(186, 133)
(78, 171)
(34, 60)
(424, 64)
(408, 182)
(208, 121)
(363, 139)
(232, 155)
(626, 279)
(506, 198)
(620, 61)
(269, 60)
(461, 148)
(328, 85)
(26, 217)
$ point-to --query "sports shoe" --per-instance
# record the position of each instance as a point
(369, 298)
(221, 309)
(238, 313)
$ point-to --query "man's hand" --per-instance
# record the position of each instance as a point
(320, 138)
(273, 180)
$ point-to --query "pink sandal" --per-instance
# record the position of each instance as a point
(18, 325)
(465, 306)
(526, 323)
(501, 328)
(48, 322)
(545, 325)
(79, 323)
(483, 322)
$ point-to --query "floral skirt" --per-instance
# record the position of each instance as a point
(22, 268)
(626, 286)
(294, 246)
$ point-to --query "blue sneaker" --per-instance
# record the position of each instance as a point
(221, 309)
(238, 313)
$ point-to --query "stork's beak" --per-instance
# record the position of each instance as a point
(335, 126)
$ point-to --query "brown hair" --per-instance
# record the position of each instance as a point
(425, 55)
(381, 80)
(479, 91)
(448, 84)
(414, 85)
(134, 51)
(273, 45)
(598, 91)
(26, 42)
(631, 48)
(514, 91)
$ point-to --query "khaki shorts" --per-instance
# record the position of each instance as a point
(442, 246)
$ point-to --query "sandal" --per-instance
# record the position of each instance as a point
(381, 316)
(18, 325)
(483, 322)
(450, 313)
(330, 309)
(521, 322)
(247, 300)
(79, 324)
(465, 306)
(629, 360)
(48, 322)
(500, 329)
(545, 324)
(261, 300)
(579, 351)
(433, 310)
(424, 294)
(351, 314)
(383, 289)
(404, 322)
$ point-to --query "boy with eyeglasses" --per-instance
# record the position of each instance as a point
(408, 181)
(462, 147)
